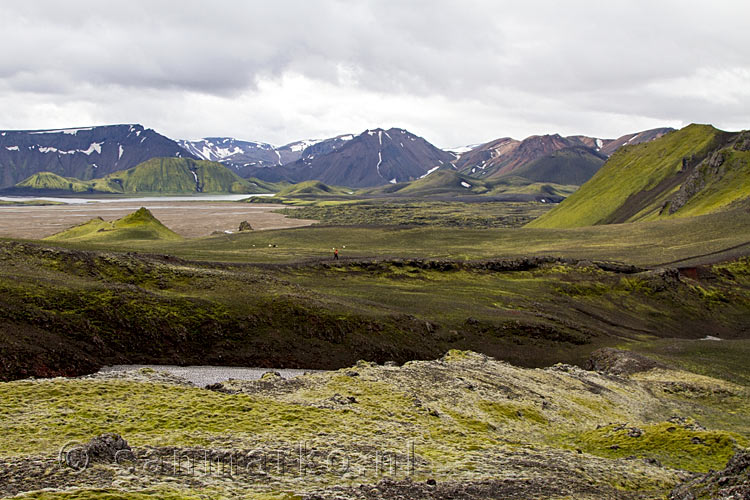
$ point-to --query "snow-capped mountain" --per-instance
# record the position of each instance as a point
(84, 153)
(373, 158)
(234, 153)
(247, 156)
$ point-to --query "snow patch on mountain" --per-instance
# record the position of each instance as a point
(95, 146)
(302, 145)
(429, 172)
(462, 149)
(69, 131)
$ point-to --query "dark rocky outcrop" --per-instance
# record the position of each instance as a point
(732, 482)
(105, 448)
(618, 362)
(699, 178)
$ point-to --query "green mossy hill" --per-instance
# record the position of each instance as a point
(48, 181)
(693, 171)
(313, 188)
(182, 175)
(158, 175)
(140, 225)
(460, 418)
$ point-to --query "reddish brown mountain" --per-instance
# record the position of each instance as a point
(502, 156)
(543, 157)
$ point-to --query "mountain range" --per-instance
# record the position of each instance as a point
(373, 158)
(245, 156)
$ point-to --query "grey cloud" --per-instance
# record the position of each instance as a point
(543, 63)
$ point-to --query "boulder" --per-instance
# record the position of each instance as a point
(104, 448)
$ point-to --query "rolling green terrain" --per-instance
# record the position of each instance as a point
(449, 184)
(131, 291)
(396, 294)
(312, 189)
(683, 242)
(140, 225)
(693, 171)
(391, 212)
(463, 426)
(158, 175)
(442, 185)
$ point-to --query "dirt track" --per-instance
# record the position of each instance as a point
(188, 218)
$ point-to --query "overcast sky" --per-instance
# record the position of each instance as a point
(454, 72)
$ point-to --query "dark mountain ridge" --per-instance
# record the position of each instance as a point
(373, 158)
(83, 153)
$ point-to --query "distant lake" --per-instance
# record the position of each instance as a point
(204, 375)
(79, 201)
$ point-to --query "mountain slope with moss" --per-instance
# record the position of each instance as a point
(693, 171)
(447, 183)
(158, 175)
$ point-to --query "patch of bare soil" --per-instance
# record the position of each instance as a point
(191, 219)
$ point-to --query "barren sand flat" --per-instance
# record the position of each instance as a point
(191, 219)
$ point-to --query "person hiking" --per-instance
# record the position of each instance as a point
(335, 254)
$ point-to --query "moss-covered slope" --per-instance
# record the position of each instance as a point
(447, 183)
(51, 182)
(140, 225)
(693, 171)
(158, 175)
(313, 188)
